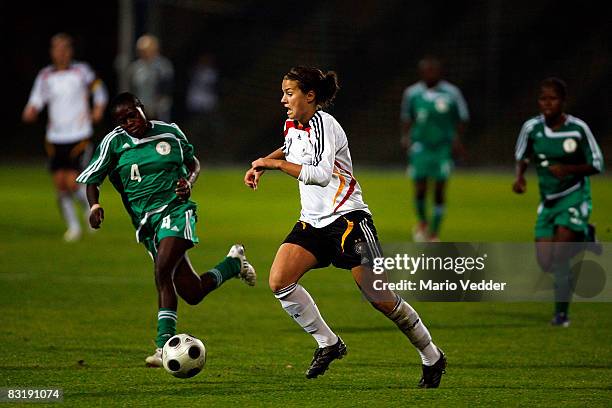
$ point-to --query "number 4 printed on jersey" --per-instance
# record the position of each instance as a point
(135, 173)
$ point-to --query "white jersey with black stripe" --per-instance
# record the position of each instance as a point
(328, 188)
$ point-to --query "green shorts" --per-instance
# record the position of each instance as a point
(572, 212)
(177, 219)
(428, 163)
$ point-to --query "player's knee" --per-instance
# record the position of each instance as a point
(383, 307)
(192, 299)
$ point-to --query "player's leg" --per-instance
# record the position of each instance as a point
(561, 270)
(438, 210)
(192, 287)
(419, 233)
(80, 155)
(170, 251)
(291, 262)
(61, 181)
(408, 321)
(440, 171)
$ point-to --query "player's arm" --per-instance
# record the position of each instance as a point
(100, 99)
(405, 120)
(522, 151)
(36, 101)
(251, 177)
(184, 185)
(405, 126)
(458, 147)
(563, 170)
(96, 212)
(520, 183)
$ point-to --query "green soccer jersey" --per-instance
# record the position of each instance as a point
(144, 171)
(573, 143)
(434, 113)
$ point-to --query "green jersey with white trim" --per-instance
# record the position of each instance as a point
(144, 171)
(434, 113)
(573, 143)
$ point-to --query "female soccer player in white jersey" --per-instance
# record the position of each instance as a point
(565, 153)
(152, 166)
(65, 87)
(335, 225)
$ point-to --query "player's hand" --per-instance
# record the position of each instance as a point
(251, 178)
(559, 170)
(520, 185)
(96, 216)
(183, 189)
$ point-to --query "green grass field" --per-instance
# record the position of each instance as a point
(82, 316)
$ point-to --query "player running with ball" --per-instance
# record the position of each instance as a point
(335, 226)
(152, 166)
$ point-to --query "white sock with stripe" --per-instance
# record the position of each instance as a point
(409, 322)
(298, 303)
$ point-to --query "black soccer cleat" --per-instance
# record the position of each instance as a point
(433, 374)
(323, 356)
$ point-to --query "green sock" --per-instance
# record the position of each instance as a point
(226, 269)
(436, 219)
(563, 286)
(166, 325)
(420, 208)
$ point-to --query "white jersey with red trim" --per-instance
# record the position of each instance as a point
(67, 92)
(328, 189)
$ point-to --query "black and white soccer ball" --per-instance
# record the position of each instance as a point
(183, 355)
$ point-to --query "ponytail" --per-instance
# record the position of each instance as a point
(325, 86)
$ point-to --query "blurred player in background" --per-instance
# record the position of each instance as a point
(152, 166)
(433, 118)
(65, 87)
(335, 226)
(151, 77)
(565, 154)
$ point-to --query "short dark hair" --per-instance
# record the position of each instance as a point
(125, 98)
(325, 86)
(557, 84)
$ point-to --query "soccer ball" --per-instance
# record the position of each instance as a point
(183, 355)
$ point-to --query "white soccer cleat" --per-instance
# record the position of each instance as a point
(247, 272)
(72, 234)
(155, 360)
(419, 233)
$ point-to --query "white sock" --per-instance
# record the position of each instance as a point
(408, 321)
(301, 307)
(81, 196)
(68, 212)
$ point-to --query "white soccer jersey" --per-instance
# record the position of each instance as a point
(327, 186)
(66, 92)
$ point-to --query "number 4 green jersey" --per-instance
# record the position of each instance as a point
(144, 171)
(573, 143)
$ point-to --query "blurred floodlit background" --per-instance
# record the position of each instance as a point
(495, 51)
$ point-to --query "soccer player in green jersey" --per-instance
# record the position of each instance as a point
(565, 154)
(433, 116)
(152, 166)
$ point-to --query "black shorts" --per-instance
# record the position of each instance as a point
(69, 156)
(349, 241)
